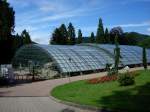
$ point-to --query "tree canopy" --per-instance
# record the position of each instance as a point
(63, 35)
(9, 42)
(145, 43)
(71, 34)
(7, 24)
(26, 37)
(107, 36)
(7, 20)
(92, 38)
(80, 38)
(100, 32)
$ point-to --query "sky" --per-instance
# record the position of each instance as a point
(41, 17)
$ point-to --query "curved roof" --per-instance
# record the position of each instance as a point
(81, 57)
(77, 58)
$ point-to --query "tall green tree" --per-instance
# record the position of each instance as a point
(107, 36)
(100, 32)
(71, 34)
(26, 37)
(7, 24)
(64, 34)
(56, 35)
(92, 38)
(7, 20)
(117, 53)
(16, 42)
(144, 58)
(80, 38)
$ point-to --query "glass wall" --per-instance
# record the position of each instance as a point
(77, 58)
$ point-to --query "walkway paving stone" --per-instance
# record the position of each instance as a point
(33, 104)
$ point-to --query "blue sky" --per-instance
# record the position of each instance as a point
(41, 17)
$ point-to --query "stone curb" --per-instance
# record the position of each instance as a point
(84, 107)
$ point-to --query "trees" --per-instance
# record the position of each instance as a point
(7, 24)
(107, 36)
(64, 34)
(71, 34)
(80, 38)
(100, 32)
(145, 43)
(26, 37)
(60, 36)
(17, 42)
(116, 31)
(55, 37)
(7, 20)
(92, 38)
(144, 58)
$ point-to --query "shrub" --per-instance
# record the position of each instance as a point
(112, 72)
(120, 77)
(3, 81)
(126, 79)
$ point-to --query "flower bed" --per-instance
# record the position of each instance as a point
(102, 79)
(107, 78)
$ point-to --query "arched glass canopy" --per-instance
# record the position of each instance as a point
(77, 58)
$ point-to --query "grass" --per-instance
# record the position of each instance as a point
(135, 98)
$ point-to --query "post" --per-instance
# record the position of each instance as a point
(69, 78)
(144, 58)
(69, 72)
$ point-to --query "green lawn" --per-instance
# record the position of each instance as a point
(110, 95)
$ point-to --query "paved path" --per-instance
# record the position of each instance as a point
(43, 88)
(34, 104)
(33, 97)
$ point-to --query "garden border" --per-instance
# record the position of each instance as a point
(84, 107)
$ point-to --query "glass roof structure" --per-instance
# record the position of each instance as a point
(78, 58)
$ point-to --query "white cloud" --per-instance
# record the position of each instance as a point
(65, 15)
(52, 6)
(40, 37)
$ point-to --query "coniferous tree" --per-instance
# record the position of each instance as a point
(144, 58)
(117, 53)
(56, 37)
(71, 34)
(64, 34)
(17, 42)
(107, 36)
(100, 32)
(26, 37)
(92, 38)
(7, 24)
(7, 20)
(80, 38)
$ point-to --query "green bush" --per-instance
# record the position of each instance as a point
(112, 72)
(125, 79)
